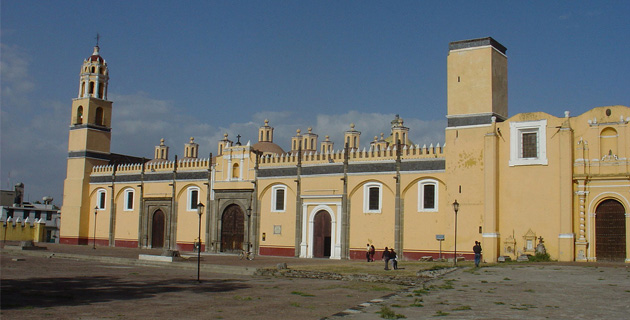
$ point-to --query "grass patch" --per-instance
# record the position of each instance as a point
(484, 281)
(295, 304)
(302, 294)
(507, 279)
(528, 290)
(387, 313)
(420, 292)
(462, 308)
(499, 302)
(243, 298)
(440, 313)
(417, 303)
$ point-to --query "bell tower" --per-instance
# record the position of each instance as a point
(89, 142)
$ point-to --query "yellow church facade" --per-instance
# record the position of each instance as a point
(517, 180)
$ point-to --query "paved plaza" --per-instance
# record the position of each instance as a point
(77, 282)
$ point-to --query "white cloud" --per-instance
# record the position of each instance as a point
(16, 82)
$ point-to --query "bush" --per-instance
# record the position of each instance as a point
(539, 257)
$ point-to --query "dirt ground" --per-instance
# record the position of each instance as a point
(40, 285)
(51, 288)
(529, 291)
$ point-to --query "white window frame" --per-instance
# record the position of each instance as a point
(128, 207)
(366, 197)
(421, 185)
(274, 192)
(189, 204)
(101, 205)
(517, 129)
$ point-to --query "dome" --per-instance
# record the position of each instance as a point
(96, 57)
(268, 147)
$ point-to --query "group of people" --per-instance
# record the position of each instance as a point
(388, 254)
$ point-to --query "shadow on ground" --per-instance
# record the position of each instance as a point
(49, 292)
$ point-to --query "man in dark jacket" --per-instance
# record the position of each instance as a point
(386, 258)
(477, 251)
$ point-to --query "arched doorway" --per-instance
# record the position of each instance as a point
(610, 231)
(232, 229)
(321, 235)
(157, 229)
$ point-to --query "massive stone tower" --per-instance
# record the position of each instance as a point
(88, 145)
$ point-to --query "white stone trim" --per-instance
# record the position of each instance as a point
(101, 205)
(308, 226)
(421, 185)
(566, 236)
(189, 203)
(490, 235)
(366, 197)
(274, 191)
(126, 199)
(516, 131)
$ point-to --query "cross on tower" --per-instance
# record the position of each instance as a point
(98, 36)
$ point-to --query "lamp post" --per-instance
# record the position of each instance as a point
(455, 208)
(249, 218)
(200, 207)
(94, 237)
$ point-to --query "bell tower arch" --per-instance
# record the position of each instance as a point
(89, 143)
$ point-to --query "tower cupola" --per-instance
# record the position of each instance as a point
(94, 76)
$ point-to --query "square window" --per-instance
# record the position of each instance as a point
(528, 143)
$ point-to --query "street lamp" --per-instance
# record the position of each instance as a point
(249, 218)
(455, 208)
(94, 237)
(200, 207)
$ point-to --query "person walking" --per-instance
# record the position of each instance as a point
(477, 251)
(372, 252)
(367, 253)
(386, 258)
(392, 256)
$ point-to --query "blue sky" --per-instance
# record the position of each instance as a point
(202, 68)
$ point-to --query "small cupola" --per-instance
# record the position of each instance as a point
(94, 76)
(191, 149)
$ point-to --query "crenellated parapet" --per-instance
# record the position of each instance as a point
(187, 164)
(355, 155)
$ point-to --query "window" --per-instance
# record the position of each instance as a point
(278, 198)
(373, 196)
(528, 143)
(193, 198)
(99, 116)
(428, 196)
(236, 171)
(100, 199)
(129, 200)
(79, 115)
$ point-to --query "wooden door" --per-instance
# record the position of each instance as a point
(321, 235)
(610, 230)
(232, 229)
(157, 229)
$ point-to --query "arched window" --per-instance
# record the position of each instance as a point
(236, 171)
(99, 116)
(278, 198)
(428, 196)
(372, 197)
(93, 69)
(261, 136)
(193, 198)
(101, 90)
(354, 143)
(312, 144)
(79, 115)
(608, 142)
(129, 195)
(91, 87)
(268, 139)
(82, 89)
(100, 199)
